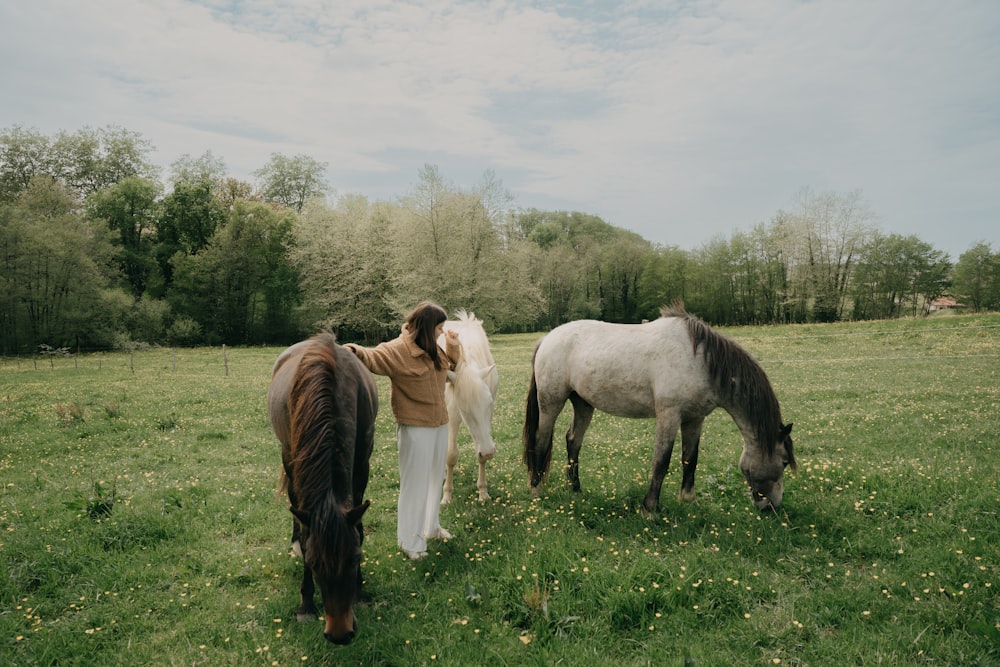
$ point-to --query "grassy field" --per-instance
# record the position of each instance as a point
(140, 524)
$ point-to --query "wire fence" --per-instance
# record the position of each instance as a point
(217, 359)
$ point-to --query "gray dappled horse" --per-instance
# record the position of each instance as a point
(676, 369)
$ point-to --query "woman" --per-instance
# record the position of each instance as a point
(417, 369)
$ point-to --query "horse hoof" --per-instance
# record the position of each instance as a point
(687, 496)
(483, 496)
(305, 617)
(446, 499)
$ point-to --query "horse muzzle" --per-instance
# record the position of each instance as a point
(342, 633)
(767, 503)
(486, 451)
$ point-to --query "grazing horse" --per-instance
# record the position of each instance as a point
(676, 369)
(322, 403)
(470, 394)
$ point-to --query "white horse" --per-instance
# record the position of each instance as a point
(676, 369)
(470, 394)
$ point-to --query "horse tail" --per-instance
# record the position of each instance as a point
(312, 410)
(529, 436)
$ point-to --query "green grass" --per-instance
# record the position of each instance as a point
(140, 523)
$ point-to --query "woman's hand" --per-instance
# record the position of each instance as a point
(453, 347)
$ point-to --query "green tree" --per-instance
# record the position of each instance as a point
(622, 262)
(578, 271)
(828, 231)
(711, 283)
(189, 217)
(86, 161)
(344, 259)
(292, 181)
(241, 288)
(130, 208)
(231, 190)
(976, 279)
(664, 280)
(24, 154)
(456, 247)
(760, 274)
(53, 272)
(91, 160)
(896, 275)
(206, 167)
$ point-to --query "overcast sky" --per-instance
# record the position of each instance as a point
(679, 120)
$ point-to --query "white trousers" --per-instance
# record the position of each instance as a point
(423, 455)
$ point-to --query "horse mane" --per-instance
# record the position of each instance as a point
(475, 345)
(331, 529)
(313, 412)
(460, 389)
(736, 377)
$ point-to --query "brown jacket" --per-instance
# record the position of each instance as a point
(417, 395)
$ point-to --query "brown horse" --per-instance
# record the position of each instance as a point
(322, 403)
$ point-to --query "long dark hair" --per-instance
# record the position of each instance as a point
(422, 322)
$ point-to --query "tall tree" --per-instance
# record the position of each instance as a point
(292, 181)
(454, 246)
(622, 262)
(206, 167)
(344, 258)
(573, 241)
(240, 288)
(711, 284)
(24, 154)
(976, 277)
(87, 161)
(130, 208)
(189, 217)
(664, 280)
(830, 229)
(53, 271)
(91, 160)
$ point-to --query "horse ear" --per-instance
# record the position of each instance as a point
(451, 376)
(485, 373)
(354, 516)
(785, 431)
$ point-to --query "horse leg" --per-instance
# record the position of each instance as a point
(583, 412)
(307, 608)
(691, 438)
(548, 412)
(454, 420)
(666, 433)
(296, 538)
(361, 597)
(484, 495)
(296, 526)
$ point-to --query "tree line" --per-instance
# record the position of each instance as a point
(98, 251)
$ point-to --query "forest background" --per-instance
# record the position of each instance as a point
(98, 251)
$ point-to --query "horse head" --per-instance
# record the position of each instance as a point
(764, 468)
(474, 391)
(331, 549)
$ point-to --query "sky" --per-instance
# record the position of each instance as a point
(681, 120)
